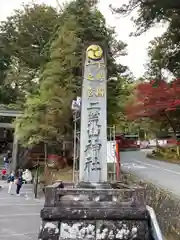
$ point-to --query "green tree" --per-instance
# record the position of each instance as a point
(149, 12)
(27, 31)
(23, 38)
(46, 117)
(164, 52)
(79, 24)
(157, 61)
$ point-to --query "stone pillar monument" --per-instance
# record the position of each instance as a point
(93, 142)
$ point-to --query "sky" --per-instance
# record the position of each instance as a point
(137, 46)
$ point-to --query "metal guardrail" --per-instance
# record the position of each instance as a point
(156, 232)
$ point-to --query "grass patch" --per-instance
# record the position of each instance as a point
(65, 175)
(166, 154)
(49, 176)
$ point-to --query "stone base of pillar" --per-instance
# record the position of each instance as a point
(102, 185)
(93, 211)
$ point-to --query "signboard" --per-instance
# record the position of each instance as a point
(93, 143)
(76, 104)
(111, 152)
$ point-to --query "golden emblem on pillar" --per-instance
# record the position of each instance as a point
(94, 52)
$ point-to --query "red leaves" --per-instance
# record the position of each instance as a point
(150, 101)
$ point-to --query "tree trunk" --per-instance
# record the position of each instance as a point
(174, 131)
(145, 135)
(157, 144)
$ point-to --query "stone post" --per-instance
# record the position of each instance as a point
(93, 139)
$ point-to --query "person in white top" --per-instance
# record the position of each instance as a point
(27, 176)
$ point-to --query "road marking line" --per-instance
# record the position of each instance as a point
(19, 215)
(24, 201)
(21, 204)
(132, 165)
(151, 165)
(17, 234)
(14, 197)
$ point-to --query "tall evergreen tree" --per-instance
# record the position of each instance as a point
(23, 37)
(61, 77)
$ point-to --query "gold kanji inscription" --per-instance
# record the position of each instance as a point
(100, 76)
(90, 77)
(90, 92)
(99, 92)
(98, 64)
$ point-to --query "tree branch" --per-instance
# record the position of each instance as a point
(170, 123)
(170, 5)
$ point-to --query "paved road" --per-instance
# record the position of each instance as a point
(19, 215)
(162, 174)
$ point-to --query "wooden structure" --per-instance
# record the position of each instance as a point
(127, 141)
(15, 114)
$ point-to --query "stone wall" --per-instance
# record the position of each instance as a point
(165, 204)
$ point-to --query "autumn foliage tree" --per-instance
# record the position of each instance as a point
(157, 101)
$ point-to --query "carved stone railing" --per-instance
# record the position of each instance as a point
(95, 214)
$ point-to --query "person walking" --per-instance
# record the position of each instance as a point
(61, 184)
(10, 181)
(19, 183)
(6, 162)
(27, 176)
(7, 159)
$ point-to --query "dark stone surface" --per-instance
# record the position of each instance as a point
(94, 211)
(49, 230)
(88, 185)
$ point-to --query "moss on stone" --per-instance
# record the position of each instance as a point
(165, 204)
